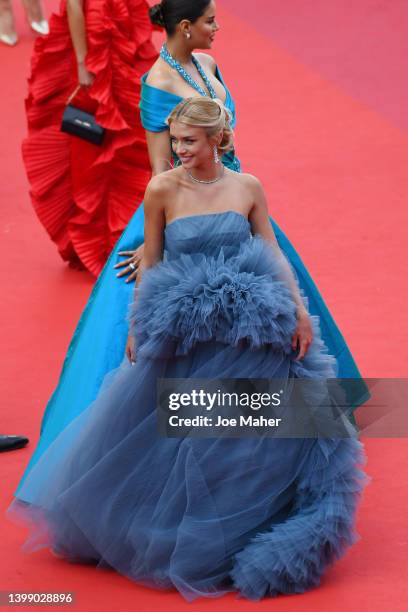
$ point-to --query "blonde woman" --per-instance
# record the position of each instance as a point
(178, 73)
(215, 298)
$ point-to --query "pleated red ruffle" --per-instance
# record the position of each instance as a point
(83, 194)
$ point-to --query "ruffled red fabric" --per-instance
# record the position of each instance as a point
(84, 194)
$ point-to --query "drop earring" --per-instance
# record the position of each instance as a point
(187, 35)
(216, 156)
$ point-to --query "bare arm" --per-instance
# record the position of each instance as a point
(76, 22)
(154, 241)
(154, 224)
(77, 29)
(158, 143)
(159, 148)
(260, 224)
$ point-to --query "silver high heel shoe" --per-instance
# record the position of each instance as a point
(40, 27)
(8, 34)
(35, 16)
(9, 39)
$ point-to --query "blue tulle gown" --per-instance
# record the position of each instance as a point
(260, 516)
(99, 340)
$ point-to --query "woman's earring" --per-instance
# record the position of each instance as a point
(188, 35)
(216, 156)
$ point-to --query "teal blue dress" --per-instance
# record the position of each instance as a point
(98, 343)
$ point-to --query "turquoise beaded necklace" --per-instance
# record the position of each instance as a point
(165, 54)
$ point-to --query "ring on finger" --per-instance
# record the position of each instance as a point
(132, 266)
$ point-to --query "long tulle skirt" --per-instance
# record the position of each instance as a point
(259, 516)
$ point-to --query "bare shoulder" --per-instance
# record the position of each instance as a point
(160, 75)
(207, 60)
(250, 181)
(163, 181)
(161, 185)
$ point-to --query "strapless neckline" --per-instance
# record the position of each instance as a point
(200, 216)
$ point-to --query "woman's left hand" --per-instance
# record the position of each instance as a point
(130, 264)
(85, 78)
(303, 334)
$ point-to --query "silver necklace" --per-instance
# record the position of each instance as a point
(196, 180)
(166, 55)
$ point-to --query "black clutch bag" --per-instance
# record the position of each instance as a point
(80, 123)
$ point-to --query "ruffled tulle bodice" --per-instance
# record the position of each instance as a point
(219, 282)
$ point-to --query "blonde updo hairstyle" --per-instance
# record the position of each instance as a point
(207, 113)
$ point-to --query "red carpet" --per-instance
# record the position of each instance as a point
(321, 101)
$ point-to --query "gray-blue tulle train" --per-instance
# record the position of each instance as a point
(260, 516)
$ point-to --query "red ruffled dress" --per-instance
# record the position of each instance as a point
(84, 194)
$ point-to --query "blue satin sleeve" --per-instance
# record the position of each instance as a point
(157, 104)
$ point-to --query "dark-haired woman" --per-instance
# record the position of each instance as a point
(83, 194)
(177, 74)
